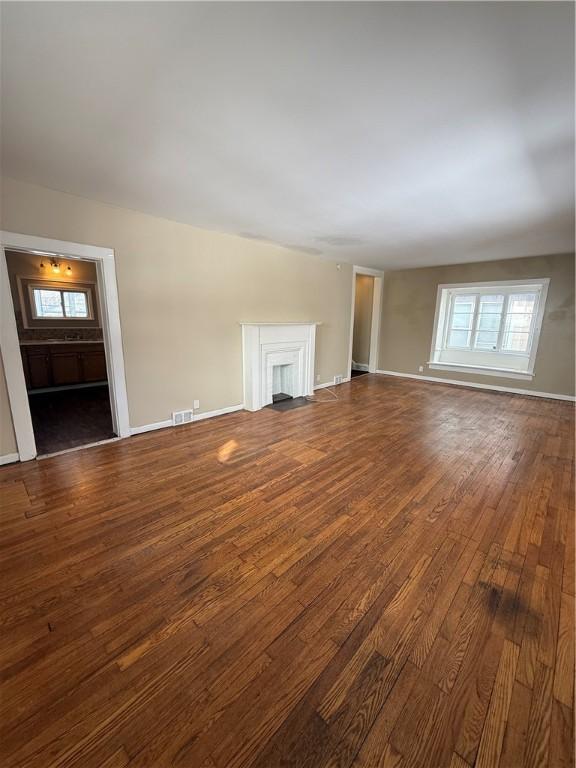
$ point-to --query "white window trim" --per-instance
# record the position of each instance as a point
(61, 288)
(440, 326)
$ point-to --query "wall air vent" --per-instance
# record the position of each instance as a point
(182, 417)
(338, 379)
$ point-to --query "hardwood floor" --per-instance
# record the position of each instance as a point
(386, 579)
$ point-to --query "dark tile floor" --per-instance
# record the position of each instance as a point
(71, 417)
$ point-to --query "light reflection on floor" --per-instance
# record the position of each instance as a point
(226, 451)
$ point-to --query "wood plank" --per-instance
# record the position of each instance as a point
(561, 737)
(539, 723)
(458, 762)
(564, 668)
(493, 733)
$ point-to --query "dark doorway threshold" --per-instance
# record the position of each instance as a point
(70, 418)
(289, 404)
(353, 374)
(280, 396)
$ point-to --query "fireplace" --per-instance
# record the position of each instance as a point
(278, 362)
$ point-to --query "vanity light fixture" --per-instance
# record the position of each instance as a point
(56, 266)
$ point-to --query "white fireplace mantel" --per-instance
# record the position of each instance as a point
(265, 345)
(281, 324)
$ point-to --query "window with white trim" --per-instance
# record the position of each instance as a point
(490, 328)
(49, 302)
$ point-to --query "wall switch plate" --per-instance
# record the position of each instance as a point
(196, 405)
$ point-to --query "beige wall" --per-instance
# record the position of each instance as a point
(409, 304)
(182, 293)
(364, 295)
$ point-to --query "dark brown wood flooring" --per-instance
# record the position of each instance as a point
(386, 579)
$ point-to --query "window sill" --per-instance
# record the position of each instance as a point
(503, 373)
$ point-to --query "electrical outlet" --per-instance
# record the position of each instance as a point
(317, 377)
(196, 405)
(421, 368)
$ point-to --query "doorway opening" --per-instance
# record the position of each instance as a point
(61, 345)
(365, 321)
(60, 338)
(363, 302)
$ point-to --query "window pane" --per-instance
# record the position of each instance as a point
(464, 303)
(461, 321)
(522, 303)
(459, 339)
(486, 340)
(491, 304)
(489, 322)
(75, 304)
(48, 303)
(520, 323)
(516, 341)
(489, 319)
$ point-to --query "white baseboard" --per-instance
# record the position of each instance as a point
(197, 417)
(9, 458)
(510, 390)
(150, 427)
(331, 383)
(219, 412)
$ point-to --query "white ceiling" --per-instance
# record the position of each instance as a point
(385, 134)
